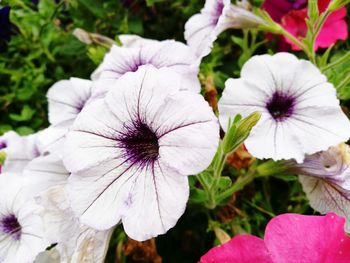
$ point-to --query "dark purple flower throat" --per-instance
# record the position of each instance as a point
(140, 144)
(10, 225)
(3, 145)
(280, 106)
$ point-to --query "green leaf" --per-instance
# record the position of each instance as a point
(239, 41)
(224, 182)
(46, 7)
(24, 130)
(95, 7)
(5, 128)
(198, 195)
(322, 60)
(97, 53)
(26, 114)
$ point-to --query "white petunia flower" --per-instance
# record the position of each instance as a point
(325, 177)
(75, 242)
(164, 54)
(130, 154)
(47, 177)
(202, 29)
(300, 113)
(21, 227)
(19, 151)
(66, 99)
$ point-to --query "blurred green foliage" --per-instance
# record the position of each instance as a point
(42, 50)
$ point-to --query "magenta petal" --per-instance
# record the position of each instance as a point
(334, 29)
(240, 249)
(311, 239)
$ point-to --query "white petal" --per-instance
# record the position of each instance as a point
(51, 140)
(325, 197)
(75, 242)
(177, 57)
(92, 139)
(45, 171)
(270, 139)
(19, 151)
(98, 198)
(242, 97)
(186, 144)
(60, 224)
(48, 256)
(308, 78)
(314, 130)
(200, 34)
(117, 62)
(321, 94)
(142, 92)
(155, 203)
(271, 73)
(91, 246)
(66, 99)
(319, 128)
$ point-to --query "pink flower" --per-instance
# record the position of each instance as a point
(292, 14)
(289, 238)
(334, 29)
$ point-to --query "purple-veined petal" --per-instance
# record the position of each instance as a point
(66, 99)
(178, 147)
(164, 193)
(164, 54)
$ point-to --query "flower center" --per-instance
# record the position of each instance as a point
(280, 106)
(10, 225)
(3, 145)
(141, 144)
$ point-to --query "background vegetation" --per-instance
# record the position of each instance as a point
(41, 50)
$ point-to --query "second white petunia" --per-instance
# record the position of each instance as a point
(300, 113)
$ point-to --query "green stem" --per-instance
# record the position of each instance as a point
(337, 62)
(203, 182)
(218, 167)
(293, 39)
(238, 185)
(319, 25)
(300, 44)
(344, 82)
